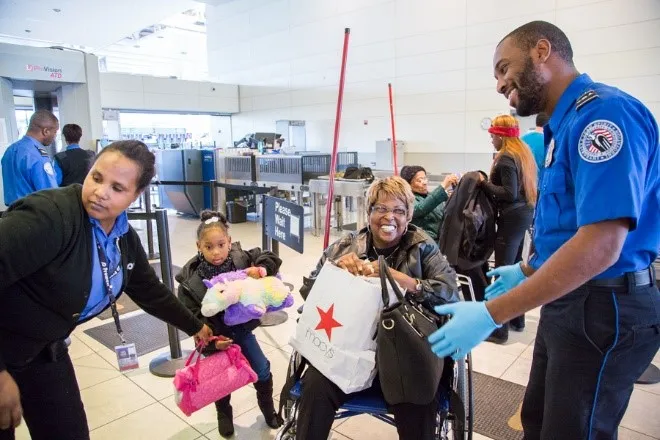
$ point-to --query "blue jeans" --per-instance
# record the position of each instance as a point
(252, 352)
(591, 347)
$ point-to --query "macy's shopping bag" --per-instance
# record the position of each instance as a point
(336, 330)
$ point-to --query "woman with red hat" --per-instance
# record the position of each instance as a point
(512, 186)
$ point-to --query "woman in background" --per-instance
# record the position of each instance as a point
(512, 187)
(429, 209)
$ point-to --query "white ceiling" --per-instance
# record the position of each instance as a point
(153, 37)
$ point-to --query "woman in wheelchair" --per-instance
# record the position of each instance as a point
(417, 265)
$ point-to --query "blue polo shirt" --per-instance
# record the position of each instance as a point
(26, 168)
(602, 163)
(98, 297)
(535, 142)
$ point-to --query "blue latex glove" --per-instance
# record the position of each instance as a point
(470, 324)
(508, 277)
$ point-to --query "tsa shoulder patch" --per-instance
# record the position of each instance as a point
(48, 168)
(600, 141)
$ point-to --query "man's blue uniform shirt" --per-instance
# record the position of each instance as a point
(98, 296)
(602, 163)
(56, 164)
(26, 168)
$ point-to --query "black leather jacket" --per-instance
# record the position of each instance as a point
(418, 256)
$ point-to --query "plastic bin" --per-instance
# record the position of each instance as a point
(236, 212)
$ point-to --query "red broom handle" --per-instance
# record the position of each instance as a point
(396, 164)
(335, 143)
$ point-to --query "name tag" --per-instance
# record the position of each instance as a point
(548, 154)
(127, 358)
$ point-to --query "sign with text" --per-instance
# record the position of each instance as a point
(285, 222)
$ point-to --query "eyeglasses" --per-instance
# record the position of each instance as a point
(382, 210)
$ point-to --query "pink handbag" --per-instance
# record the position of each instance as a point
(211, 378)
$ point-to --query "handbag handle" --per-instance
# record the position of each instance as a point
(198, 350)
(386, 275)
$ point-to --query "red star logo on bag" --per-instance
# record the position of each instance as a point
(327, 322)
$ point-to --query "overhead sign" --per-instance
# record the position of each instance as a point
(51, 71)
(285, 222)
(41, 64)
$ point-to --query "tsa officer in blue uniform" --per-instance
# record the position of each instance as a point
(596, 235)
(26, 166)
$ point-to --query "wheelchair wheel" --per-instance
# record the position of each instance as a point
(288, 429)
(458, 422)
(465, 392)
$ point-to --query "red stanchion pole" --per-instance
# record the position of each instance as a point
(335, 143)
(395, 162)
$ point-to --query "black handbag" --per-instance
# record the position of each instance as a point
(408, 370)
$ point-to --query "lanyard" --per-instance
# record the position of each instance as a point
(108, 288)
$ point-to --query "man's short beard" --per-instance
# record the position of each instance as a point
(531, 94)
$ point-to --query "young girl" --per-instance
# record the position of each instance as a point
(217, 254)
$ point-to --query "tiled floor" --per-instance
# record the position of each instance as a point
(138, 405)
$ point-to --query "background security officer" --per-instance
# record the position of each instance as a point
(26, 167)
(596, 236)
(73, 164)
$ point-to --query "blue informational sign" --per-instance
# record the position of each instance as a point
(285, 222)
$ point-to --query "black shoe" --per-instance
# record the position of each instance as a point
(500, 335)
(225, 417)
(266, 404)
(517, 324)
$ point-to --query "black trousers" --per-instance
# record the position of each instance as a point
(52, 407)
(511, 227)
(479, 281)
(591, 347)
(321, 399)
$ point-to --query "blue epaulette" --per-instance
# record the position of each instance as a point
(585, 98)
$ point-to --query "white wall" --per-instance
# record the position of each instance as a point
(437, 54)
(136, 92)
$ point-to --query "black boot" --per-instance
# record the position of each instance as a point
(518, 324)
(266, 405)
(500, 335)
(225, 417)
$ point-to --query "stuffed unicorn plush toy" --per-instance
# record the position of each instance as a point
(243, 298)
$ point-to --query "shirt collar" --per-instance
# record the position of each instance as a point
(120, 228)
(35, 142)
(572, 92)
(72, 146)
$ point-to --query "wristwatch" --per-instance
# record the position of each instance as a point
(418, 286)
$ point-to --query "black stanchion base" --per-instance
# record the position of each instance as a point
(164, 366)
(650, 377)
(274, 318)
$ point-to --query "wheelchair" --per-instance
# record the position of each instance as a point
(455, 416)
